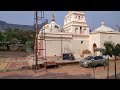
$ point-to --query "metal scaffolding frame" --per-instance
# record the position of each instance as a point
(40, 30)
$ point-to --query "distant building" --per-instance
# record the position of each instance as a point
(75, 36)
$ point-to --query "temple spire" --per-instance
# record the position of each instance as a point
(53, 17)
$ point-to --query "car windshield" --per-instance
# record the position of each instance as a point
(88, 58)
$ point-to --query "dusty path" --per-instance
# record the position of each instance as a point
(63, 72)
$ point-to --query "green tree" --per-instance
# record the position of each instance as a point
(116, 52)
(112, 49)
(1, 36)
(10, 37)
(14, 36)
(108, 51)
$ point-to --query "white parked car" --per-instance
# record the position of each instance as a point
(89, 60)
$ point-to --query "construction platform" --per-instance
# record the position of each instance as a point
(57, 63)
(64, 62)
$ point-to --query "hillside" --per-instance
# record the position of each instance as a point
(4, 25)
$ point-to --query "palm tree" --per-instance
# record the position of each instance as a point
(112, 49)
(108, 51)
(116, 52)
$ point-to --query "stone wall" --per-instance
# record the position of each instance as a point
(15, 63)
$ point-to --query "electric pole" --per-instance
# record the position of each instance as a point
(36, 29)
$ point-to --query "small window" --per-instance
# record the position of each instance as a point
(81, 42)
(80, 30)
(76, 30)
(79, 17)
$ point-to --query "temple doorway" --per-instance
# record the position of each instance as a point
(94, 49)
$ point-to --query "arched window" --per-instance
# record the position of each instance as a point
(76, 30)
(79, 17)
(94, 47)
(81, 42)
(80, 30)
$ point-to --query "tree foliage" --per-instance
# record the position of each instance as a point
(1, 36)
(17, 36)
(112, 49)
(109, 46)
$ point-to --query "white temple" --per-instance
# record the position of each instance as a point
(75, 36)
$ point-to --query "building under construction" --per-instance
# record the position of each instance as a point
(54, 43)
(49, 41)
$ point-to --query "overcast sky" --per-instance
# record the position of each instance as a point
(93, 18)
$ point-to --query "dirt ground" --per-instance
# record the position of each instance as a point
(64, 72)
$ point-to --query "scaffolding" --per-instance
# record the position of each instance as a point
(40, 42)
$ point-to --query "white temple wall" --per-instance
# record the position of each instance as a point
(94, 38)
(115, 38)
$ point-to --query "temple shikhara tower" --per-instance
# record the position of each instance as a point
(75, 36)
(75, 23)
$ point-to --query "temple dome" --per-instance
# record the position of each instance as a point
(103, 28)
(52, 26)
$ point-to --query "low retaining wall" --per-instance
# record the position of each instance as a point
(7, 64)
(15, 63)
(18, 63)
